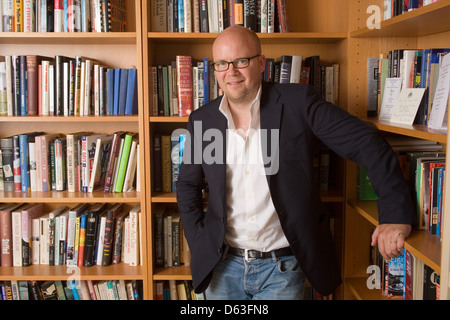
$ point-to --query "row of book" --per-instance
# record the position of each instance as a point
(65, 86)
(167, 156)
(265, 16)
(393, 8)
(170, 245)
(400, 70)
(176, 290)
(63, 16)
(185, 85)
(423, 165)
(405, 277)
(184, 290)
(81, 161)
(311, 70)
(83, 235)
(71, 290)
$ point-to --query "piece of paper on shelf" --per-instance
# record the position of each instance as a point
(392, 90)
(438, 115)
(408, 102)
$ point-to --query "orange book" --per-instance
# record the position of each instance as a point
(82, 240)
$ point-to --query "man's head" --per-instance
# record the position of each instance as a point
(239, 82)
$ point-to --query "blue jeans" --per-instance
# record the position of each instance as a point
(261, 279)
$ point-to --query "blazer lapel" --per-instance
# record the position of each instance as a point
(270, 117)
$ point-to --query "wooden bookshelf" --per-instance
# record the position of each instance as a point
(115, 50)
(426, 27)
(335, 30)
(307, 39)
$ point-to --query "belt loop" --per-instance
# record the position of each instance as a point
(274, 256)
(225, 251)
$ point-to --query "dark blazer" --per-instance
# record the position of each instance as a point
(300, 117)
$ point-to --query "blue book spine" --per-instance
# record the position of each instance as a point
(131, 103)
(181, 15)
(24, 171)
(206, 80)
(117, 72)
(122, 91)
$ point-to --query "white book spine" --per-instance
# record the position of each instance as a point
(16, 222)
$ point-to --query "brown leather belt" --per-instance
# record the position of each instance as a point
(255, 254)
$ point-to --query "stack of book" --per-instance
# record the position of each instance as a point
(63, 16)
(33, 85)
(81, 161)
(84, 235)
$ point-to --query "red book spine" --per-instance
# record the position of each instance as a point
(184, 76)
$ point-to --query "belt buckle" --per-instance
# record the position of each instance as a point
(246, 256)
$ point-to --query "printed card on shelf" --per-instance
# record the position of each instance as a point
(438, 115)
(407, 105)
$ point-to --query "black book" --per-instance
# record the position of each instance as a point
(93, 215)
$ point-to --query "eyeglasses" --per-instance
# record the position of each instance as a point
(238, 63)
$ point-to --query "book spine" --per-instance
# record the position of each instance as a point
(123, 162)
(184, 85)
(8, 165)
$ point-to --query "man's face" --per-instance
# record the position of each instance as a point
(239, 85)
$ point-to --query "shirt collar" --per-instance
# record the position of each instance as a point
(254, 109)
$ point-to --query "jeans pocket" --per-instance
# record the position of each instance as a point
(288, 264)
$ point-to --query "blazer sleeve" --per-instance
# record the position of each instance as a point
(357, 141)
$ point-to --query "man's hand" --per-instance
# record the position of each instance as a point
(390, 239)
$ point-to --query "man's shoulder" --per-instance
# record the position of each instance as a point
(207, 109)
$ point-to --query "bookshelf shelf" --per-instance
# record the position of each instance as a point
(63, 38)
(72, 119)
(327, 196)
(359, 288)
(39, 272)
(266, 38)
(169, 119)
(424, 21)
(174, 273)
(70, 197)
(422, 244)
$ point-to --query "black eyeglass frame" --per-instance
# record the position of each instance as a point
(234, 63)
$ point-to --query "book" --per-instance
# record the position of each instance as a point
(74, 213)
(28, 214)
(6, 253)
(118, 236)
(134, 235)
(88, 146)
(123, 161)
(6, 145)
(131, 103)
(102, 151)
(92, 219)
(52, 233)
(111, 216)
(112, 160)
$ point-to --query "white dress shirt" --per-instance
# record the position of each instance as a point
(252, 220)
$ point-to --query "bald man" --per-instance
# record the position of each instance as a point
(265, 229)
